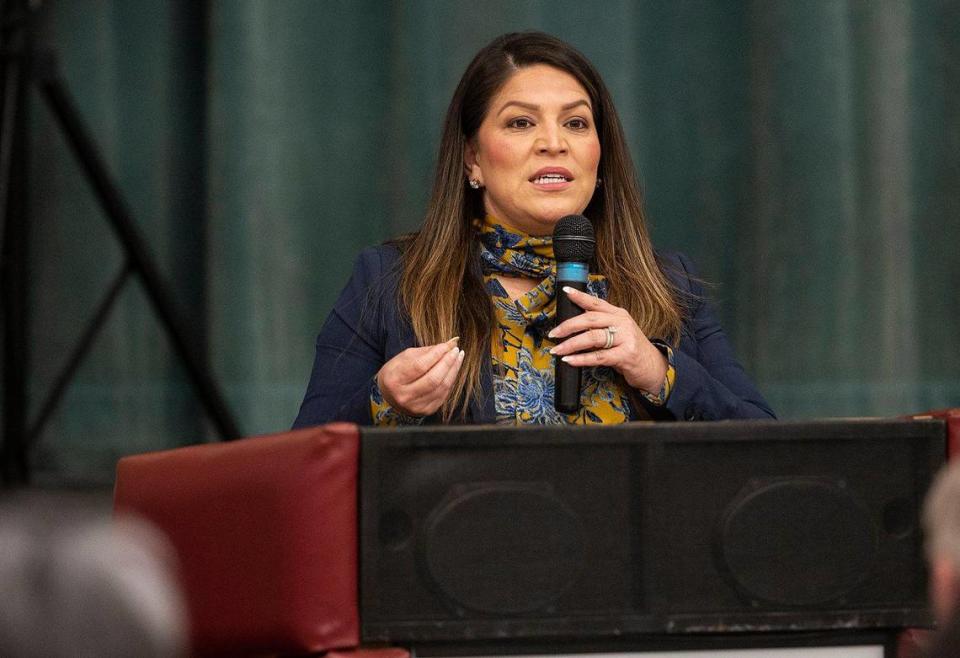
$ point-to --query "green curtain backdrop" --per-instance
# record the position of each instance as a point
(805, 154)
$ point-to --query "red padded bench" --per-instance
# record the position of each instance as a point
(266, 532)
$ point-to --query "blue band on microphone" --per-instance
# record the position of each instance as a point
(572, 271)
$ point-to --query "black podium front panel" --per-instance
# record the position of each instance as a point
(486, 533)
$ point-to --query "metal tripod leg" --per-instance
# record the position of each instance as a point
(13, 254)
(118, 215)
(19, 70)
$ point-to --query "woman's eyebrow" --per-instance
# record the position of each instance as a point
(536, 108)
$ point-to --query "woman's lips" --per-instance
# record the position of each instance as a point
(552, 178)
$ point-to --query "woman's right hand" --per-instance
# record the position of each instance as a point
(418, 380)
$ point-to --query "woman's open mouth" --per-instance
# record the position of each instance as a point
(552, 178)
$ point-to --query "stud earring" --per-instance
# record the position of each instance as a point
(474, 183)
(599, 183)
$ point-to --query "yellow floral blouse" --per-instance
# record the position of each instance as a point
(520, 349)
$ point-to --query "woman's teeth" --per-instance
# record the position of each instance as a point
(550, 178)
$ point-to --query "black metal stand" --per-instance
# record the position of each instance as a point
(23, 66)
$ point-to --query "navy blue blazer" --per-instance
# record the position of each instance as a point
(366, 328)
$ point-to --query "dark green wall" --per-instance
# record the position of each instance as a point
(805, 154)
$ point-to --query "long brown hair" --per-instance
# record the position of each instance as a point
(441, 285)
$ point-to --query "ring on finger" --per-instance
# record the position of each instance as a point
(611, 332)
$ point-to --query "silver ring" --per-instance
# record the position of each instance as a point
(611, 332)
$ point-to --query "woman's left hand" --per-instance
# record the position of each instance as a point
(606, 335)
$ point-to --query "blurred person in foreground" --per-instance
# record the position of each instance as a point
(941, 521)
(456, 322)
(78, 584)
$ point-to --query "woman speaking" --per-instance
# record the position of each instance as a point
(457, 323)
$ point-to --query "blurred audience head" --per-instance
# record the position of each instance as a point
(75, 583)
(941, 519)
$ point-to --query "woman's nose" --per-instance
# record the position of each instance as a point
(551, 141)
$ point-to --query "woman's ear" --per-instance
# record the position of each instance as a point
(470, 166)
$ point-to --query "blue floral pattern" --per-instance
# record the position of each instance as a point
(523, 366)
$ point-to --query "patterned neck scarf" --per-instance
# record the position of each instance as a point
(507, 251)
(523, 367)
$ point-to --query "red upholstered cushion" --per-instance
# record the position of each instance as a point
(266, 532)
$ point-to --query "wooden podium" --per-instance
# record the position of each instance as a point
(755, 538)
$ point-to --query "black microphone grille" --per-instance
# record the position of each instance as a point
(573, 239)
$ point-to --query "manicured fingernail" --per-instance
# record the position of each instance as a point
(552, 333)
(455, 351)
(460, 356)
(553, 350)
(565, 359)
(454, 339)
(568, 289)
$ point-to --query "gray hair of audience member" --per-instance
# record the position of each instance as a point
(941, 515)
(97, 588)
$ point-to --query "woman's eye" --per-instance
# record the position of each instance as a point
(578, 124)
(520, 122)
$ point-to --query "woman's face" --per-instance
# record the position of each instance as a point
(537, 151)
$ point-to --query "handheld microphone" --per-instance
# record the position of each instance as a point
(573, 245)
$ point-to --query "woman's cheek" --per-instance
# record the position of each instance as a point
(504, 155)
(593, 154)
